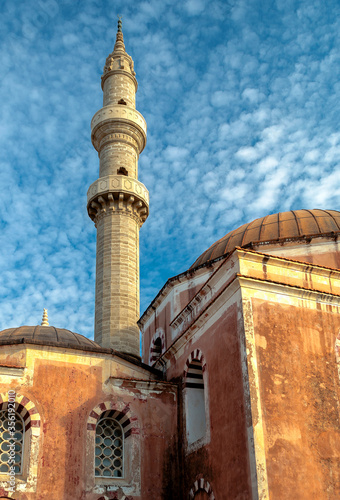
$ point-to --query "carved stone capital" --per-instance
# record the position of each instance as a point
(118, 194)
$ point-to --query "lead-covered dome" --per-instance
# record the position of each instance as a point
(47, 335)
(284, 226)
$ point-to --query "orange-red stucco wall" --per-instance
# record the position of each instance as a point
(299, 386)
(223, 461)
(65, 395)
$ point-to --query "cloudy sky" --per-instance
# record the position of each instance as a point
(241, 98)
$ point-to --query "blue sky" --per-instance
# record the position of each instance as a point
(241, 98)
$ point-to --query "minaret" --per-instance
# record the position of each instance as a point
(118, 203)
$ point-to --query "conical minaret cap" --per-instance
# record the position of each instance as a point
(119, 60)
(119, 45)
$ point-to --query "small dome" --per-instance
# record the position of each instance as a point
(294, 225)
(47, 335)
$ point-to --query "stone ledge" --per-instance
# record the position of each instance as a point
(118, 184)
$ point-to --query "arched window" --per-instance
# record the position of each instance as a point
(195, 402)
(114, 438)
(109, 449)
(12, 431)
(157, 345)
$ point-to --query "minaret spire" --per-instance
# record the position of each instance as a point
(119, 30)
(118, 203)
(119, 45)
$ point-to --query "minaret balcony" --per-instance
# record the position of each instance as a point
(118, 193)
(118, 122)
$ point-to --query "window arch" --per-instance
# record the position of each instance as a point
(27, 419)
(157, 345)
(113, 434)
(109, 450)
(201, 490)
(195, 398)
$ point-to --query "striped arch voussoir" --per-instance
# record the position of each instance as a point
(201, 485)
(153, 355)
(195, 355)
(26, 409)
(108, 409)
(107, 498)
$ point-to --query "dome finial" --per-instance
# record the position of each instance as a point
(45, 318)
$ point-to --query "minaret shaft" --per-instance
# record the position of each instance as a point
(117, 283)
(116, 155)
(118, 204)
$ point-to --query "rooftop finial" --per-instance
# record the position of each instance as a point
(45, 318)
(119, 24)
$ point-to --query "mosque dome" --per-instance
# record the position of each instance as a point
(284, 226)
(47, 335)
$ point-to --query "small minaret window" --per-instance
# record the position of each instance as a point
(121, 101)
(122, 171)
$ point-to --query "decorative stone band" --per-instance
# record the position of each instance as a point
(201, 485)
(108, 408)
(25, 408)
(115, 119)
(118, 183)
(118, 193)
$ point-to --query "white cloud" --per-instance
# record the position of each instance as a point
(248, 154)
(194, 7)
(253, 95)
(267, 164)
(221, 98)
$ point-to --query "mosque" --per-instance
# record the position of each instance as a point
(236, 394)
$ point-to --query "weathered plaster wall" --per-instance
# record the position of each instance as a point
(65, 387)
(320, 251)
(223, 459)
(266, 327)
(299, 388)
(160, 319)
(13, 356)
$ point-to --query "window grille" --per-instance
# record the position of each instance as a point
(8, 438)
(109, 450)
